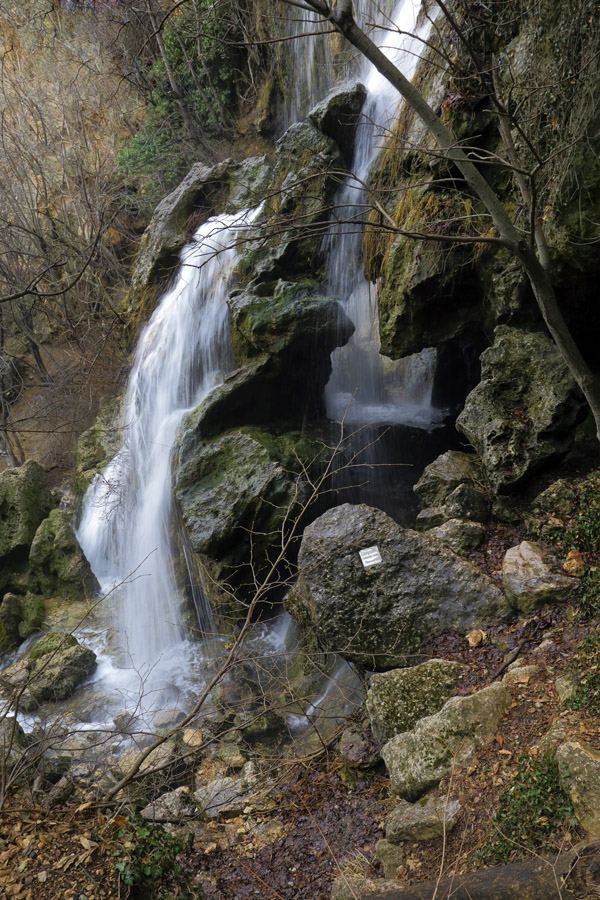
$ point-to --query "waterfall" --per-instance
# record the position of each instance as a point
(125, 528)
(364, 387)
(184, 351)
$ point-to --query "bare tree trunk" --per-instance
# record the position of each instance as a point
(572, 876)
(342, 19)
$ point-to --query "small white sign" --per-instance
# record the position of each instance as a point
(370, 556)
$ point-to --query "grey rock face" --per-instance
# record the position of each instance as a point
(419, 759)
(226, 485)
(396, 700)
(381, 616)
(524, 411)
(304, 180)
(222, 798)
(460, 535)
(445, 474)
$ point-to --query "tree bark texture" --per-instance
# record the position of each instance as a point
(571, 876)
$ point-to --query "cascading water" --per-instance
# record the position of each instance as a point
(364, 387)
(184, 351)
(125, 527)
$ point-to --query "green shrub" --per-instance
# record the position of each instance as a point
(200, 42)
(147, 862)
(530, 813)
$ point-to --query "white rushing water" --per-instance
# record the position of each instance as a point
(125, 529)
(365, 387)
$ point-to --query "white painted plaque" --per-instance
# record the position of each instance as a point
(370, 556)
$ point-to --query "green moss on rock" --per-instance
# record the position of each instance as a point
(57, 562)
(24, 501)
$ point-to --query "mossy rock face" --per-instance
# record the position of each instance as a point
(233, 492)
(57, 564)
(305, 178)
(10, 618)
(20, 617)
(51, 642)
(97, 445)
(428, 297)
(52, 671)
(396, 700)
(295, 328)
(24, 501)
(523, 413)
(32, 612)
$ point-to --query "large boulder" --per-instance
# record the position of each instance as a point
(24, 501)
(418, 760)
(453, 489)
(522, 415)
(396, 700)
(381, 616)
(305, 178)
(53, 670)
(57, 564)
(228, 186)
(530, 581)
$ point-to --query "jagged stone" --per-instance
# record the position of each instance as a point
(229, 185)
(566, 688)
(396, 700)
(338, 114)
(459, 534)
(579, 773)
(229, 488)
(417, 760)
(53, 670)
(175, 807)
(523, 413)
(381, 616)
(441, 477)
(57, 564)
(529, 581)
(429, 818)
(223, 798)
(390, 856)
(305, 177)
